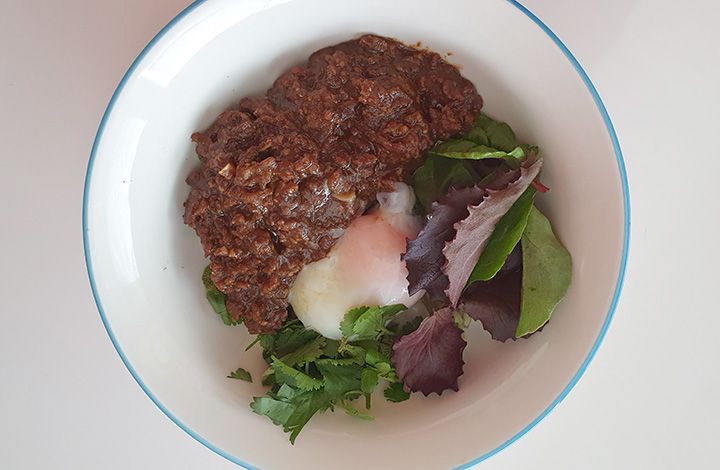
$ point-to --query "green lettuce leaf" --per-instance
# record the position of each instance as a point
(448, 164)
(489, 132)
(469, 150)
(487, 138)
(473, 232)
(504, 238)
(546, 273)
(433, 178)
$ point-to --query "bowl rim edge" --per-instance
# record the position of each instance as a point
(566, 390)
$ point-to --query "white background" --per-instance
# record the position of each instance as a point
(651, 397)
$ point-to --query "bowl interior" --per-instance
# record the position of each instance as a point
(146, 264)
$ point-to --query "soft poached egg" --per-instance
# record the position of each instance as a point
(363, 268)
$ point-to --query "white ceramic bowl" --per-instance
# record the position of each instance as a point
(145, 265)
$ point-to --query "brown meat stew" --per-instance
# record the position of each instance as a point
(282, 175)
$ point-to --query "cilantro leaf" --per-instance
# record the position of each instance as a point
(373, 356)
(371, 324)
(291, 409)
(385, 370)
(547, 271)
(285, 374)
(278, 411)
(240, 374)
(305, 353)
(338, 379)
(504, 238)
(306, 405)
(352, 411)
(368, 380)
(290, 338)
(348, 322)
(216, 299)
(368, 322)
(316, 374)
(356, 352)
(396, 393)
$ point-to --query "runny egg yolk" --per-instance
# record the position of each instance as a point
(363, 268)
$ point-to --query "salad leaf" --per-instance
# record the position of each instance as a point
(240, 374)
(487, 131)
(547, 270)
(339, 378)
(316, 374)
(473, 232)
(293, 344)
(279, 411)
(307, 404)
(504, 238)
(368, 322)
(284, 374)
(448, 164)
(433, 178)
(292, 409)
(496, 302)
(368, 380)
(424, 256)
(469, 150)
(396, 393)
(429, 360)
(289, 338)
(348, 322)
(373, 356)
(216, 299)
(352, 411)
(308, 352)
(487, 138)
(406, 327)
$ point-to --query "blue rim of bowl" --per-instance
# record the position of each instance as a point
(618, 284)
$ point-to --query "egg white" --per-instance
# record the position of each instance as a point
(363, 268)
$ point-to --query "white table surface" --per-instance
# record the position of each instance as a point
(651, 397)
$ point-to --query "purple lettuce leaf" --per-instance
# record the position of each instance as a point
(472, 232)
(496, 303)
(429, 360)
(424, 257)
